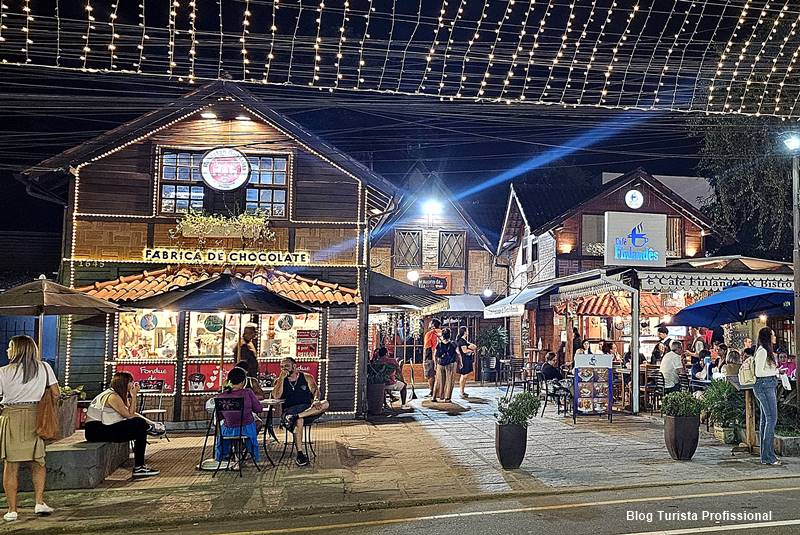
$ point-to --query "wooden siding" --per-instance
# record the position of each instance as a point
(341, 369)
(322, 192)
(121, 183)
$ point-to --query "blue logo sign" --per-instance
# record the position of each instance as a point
(634, 246)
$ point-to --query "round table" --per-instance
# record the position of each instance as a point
(270, 405)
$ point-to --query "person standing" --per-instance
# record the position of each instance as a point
(698, 342)
(767, 372)
(446, 362)
(23, 383)
(466, 354)
(246, 349)
(663, 337)
(430, 341)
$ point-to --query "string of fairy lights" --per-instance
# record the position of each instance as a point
(723, 56)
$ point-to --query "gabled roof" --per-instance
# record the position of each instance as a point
(637, 175)
(289, 285)
(410, 196)
(48, 179)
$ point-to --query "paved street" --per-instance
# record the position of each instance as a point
(436, 453)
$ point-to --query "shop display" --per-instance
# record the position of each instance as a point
(147, 335)
(206, 332)
(151, 372)
(287, 335)
(593, 385)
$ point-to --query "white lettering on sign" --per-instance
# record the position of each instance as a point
(236, 257)
(714, 282)
(224, 169)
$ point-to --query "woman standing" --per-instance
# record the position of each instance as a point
(766, 384)
(446, 362)
(23, 383)
(112, 417)
(466, 353)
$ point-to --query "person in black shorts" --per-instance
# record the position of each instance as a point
(301, 404)
(466, 354)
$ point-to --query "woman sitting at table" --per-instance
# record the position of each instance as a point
(585, 348)
(789, 366)
(699, 366)
(233, 420)
(550, 371)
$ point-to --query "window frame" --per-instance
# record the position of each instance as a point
(463, 236)
(534, 251)
(175, 182)
(396, 254)
(273, 187)
(161, 150)
(601, 219)
(679, 236)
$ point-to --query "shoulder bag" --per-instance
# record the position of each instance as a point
(47, 413)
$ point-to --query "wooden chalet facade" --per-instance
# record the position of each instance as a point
(124, 193)
(557, 231)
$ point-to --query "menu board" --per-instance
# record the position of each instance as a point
(289, 335)
(593, 386)
(149, 372)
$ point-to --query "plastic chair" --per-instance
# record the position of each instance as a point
(157, 414)
(238, 451)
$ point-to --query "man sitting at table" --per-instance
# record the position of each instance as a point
(671, 365)
(549, 369)
(301, 404)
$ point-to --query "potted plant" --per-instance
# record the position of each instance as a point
(68, 409)
(511, 431)
(681, 424)
(491, 343)
(725, 406)
(377, 375)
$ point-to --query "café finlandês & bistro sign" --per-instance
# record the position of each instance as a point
(218, 256)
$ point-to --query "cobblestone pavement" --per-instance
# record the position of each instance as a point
(434, 452)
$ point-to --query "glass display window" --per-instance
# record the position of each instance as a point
(147, 335)
(206, 330)
(289, 335)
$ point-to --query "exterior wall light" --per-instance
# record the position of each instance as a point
(413, 275)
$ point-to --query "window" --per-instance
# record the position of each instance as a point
(267, 188)
(524, 248)
(534, 252)
(182, 188)
(408, 248)
(674, 237)
(451, 250)
(593, 235)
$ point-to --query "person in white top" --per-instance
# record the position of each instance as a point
(112, 417)
(671, 364)
(23, 383)
(766, 370)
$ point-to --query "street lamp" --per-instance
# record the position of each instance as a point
(792, 142)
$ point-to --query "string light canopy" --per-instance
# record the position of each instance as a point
(725, 56)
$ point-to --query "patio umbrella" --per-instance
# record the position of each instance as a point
(44, 297)
(737, 303)
(224, 293)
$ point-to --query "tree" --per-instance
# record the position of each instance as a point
(750, 176)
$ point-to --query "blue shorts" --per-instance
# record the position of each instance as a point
(222, 451)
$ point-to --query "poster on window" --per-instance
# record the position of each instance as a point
(205, 376)
(147, 335)
(274, 368)
(343, 332)
(307, 344)
(151, 372)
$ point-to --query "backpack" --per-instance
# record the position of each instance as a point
(446, 353)
(747, 372)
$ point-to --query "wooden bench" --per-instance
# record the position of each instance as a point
(73, 463)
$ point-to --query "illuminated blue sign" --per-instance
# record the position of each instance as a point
(634, 246)
(635, 239)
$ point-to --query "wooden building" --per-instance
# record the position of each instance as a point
(558, 231)
(432, 241)
(125, 193)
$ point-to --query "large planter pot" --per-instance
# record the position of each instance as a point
(726, 435)
(787, 446)
(510, 443)
(375, 395)
(681, 434)
(67, 411)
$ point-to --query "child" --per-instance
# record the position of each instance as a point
(235, 388)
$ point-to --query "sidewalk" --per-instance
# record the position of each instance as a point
(438, 452)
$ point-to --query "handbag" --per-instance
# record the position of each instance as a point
(785, 382)
(47, 415)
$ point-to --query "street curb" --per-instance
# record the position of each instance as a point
(88, 527)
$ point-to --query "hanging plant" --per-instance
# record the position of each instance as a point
(252, 227)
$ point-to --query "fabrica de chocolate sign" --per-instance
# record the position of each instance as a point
(636, 239)
(217, 256)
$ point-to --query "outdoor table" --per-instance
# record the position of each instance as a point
(270, 405)
(699, 384)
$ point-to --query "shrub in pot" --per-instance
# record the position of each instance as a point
(681, 424)
(377, 375)
(491, 343)
(725, 406)
(511, 431)
(68, 410)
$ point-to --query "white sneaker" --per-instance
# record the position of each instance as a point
(405, 407)
(43, 509)
(10, 516)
